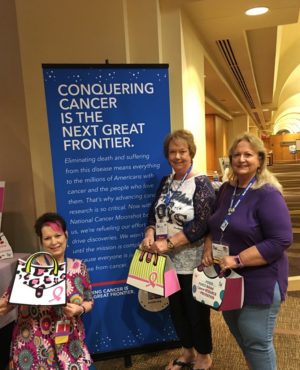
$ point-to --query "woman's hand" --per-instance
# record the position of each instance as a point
(159, 246)
(207, 257)
(72, 310)
(146, 243)
(148, 239)
(5, 307)
(228, 262)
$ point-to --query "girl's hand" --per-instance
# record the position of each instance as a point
(72, 310)
(5, 307)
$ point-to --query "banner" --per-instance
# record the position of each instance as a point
(107, 124)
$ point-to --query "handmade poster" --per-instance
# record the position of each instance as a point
(39, 285)
(5, 248)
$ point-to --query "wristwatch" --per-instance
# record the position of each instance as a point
(170, 245)
(238, 261)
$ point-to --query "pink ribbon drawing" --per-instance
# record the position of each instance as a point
(57, 296)
(152, 279)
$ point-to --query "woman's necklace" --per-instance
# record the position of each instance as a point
(170, 192)
(235, 201)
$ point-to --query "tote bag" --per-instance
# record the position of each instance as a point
(39, 285)
(221, 291)
(153, 273)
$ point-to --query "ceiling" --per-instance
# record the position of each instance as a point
(248, 68)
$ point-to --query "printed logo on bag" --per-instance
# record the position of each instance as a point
(208, 291)
(153, 273)
(222, 291)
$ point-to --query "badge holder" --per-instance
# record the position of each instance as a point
(219, 251)
(161, 230)
(62, 332)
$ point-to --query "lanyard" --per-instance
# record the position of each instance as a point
(170, 192)
(232, 206)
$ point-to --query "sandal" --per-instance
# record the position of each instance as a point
(182, 364)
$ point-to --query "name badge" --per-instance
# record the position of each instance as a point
(161, 230)
(219, 251)
(62, 332)
(224, 225)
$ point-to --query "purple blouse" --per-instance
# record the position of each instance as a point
(262, 219)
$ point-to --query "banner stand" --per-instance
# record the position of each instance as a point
(127, 354)
(107, 124)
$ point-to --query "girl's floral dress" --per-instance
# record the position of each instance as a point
(33, 346)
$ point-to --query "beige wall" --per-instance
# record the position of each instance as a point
(171, 53)
(216, 142)
(120, 31)
(74, 31)
(143, 32)
(74, 34)
(221, 141)
(15, 160)
(210, 136)
(237, 126)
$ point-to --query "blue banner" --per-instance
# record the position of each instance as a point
(107, 124)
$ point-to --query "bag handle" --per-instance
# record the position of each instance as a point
(221, 274)
(34, 255)
(148, 257)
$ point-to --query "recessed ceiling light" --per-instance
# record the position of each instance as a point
(257, 11)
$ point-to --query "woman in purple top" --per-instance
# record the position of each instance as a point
(252, 221)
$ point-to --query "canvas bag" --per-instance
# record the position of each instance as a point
(39, 285)
(154, 273)
(221, 291)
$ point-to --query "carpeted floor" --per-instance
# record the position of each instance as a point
(226, 354)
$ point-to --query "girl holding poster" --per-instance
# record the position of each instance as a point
(53, 337)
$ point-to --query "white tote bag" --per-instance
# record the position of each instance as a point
(221, 291)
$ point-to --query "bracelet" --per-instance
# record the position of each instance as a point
(150, 227)
(83, 310)
(170, 245)
(238, 261)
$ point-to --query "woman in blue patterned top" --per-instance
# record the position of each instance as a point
(177, 223)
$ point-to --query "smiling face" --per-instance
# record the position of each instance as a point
(54, 241)
(179, 156)
(245, 162)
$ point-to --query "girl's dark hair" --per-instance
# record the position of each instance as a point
(49, 217)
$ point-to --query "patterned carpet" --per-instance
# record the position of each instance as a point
(226, 354)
